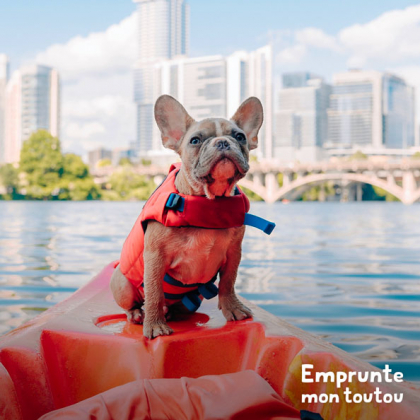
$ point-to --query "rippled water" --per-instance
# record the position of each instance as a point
(348, 272)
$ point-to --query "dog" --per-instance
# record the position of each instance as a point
(215, 155)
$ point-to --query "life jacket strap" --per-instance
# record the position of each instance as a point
(259, 223)
(309, 415)
(176, 202)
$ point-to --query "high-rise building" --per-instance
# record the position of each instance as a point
(32, 103)
(301, 119)
(371, 109)
(251, 74)
(297, 79)
(198, 83)
(215, 86)
(163, 33)
(4, 77)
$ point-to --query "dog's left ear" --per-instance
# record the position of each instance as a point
(173, 121)
(249, 117)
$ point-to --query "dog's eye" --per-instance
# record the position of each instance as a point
(195, 140)
(240, 137)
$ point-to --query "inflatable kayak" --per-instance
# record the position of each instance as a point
(83, 351)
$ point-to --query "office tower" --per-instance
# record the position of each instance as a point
(32, 103)
(398, 113)
(371, 109)
(215, 86)
(198, 83)
(251, 74)
(96, 155)
(4, 77)
(301, 120)
(163, 32)
(297, 79)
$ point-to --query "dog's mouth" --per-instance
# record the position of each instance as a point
(224, 168)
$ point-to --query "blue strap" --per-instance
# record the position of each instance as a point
(259, 223)
(309, 415)
(176, 202)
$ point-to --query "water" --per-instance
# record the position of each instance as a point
(347, 272)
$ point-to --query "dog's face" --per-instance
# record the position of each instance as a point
(215, 151)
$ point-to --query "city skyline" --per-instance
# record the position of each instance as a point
(31, 101)
(98, 109)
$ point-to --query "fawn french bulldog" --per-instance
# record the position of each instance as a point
(215, 155)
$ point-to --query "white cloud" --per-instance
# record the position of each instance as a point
(97, 87)
(291, 55)
(98, 53)
(315, 37)
(84, 130)
(392, 37)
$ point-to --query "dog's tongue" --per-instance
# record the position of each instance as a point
(224, 169)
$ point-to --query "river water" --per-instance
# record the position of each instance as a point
(347, 272)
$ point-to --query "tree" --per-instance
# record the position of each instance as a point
(76, 182)
(47, 173)
(358, 156)
(103, 163)
(9, 180)
(129, 185)
(43, 164)
(125, 161)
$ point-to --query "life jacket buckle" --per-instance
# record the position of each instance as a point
(175, 202)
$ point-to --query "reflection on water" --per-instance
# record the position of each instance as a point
(348, 272)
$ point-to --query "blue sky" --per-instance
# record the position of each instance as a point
(93, 45)
(217, 26)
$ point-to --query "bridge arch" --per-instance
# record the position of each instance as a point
(282, 192)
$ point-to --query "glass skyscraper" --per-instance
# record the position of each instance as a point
(301, 119)
(32, 103)
(372, 109)
(4, 77)
(163, 33)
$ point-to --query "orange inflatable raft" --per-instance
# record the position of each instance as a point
(82, 351)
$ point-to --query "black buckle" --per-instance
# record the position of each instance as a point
(309, 415)
(175, 202)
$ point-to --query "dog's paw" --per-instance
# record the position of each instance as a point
(234, 310)
(135, 316)
(153, 330)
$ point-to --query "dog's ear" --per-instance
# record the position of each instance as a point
(173, 121)
(249, 117)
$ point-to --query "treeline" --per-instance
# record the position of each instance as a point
(45, 173)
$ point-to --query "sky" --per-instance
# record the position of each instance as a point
(93, 45)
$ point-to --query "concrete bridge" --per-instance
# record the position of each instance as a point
(399, 179)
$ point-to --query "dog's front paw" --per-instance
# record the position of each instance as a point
(155, 329)
(135, 316)
(233, 309)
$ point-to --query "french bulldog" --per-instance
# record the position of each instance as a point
(215, 156)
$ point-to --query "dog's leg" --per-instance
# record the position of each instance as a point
(154, 271)
(127, 296)
(232, 308)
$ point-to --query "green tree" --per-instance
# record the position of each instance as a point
(146, 162)
(125, 161)
(358, 156)
(9, 180)
(103, 163)
(76, 182)
(43, 164)
(416, 155)
(129, 185)
(47, 173)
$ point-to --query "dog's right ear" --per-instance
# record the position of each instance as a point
(173, 121)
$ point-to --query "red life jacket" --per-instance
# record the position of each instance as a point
(171, 208)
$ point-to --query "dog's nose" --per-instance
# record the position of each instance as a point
(222, 145)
